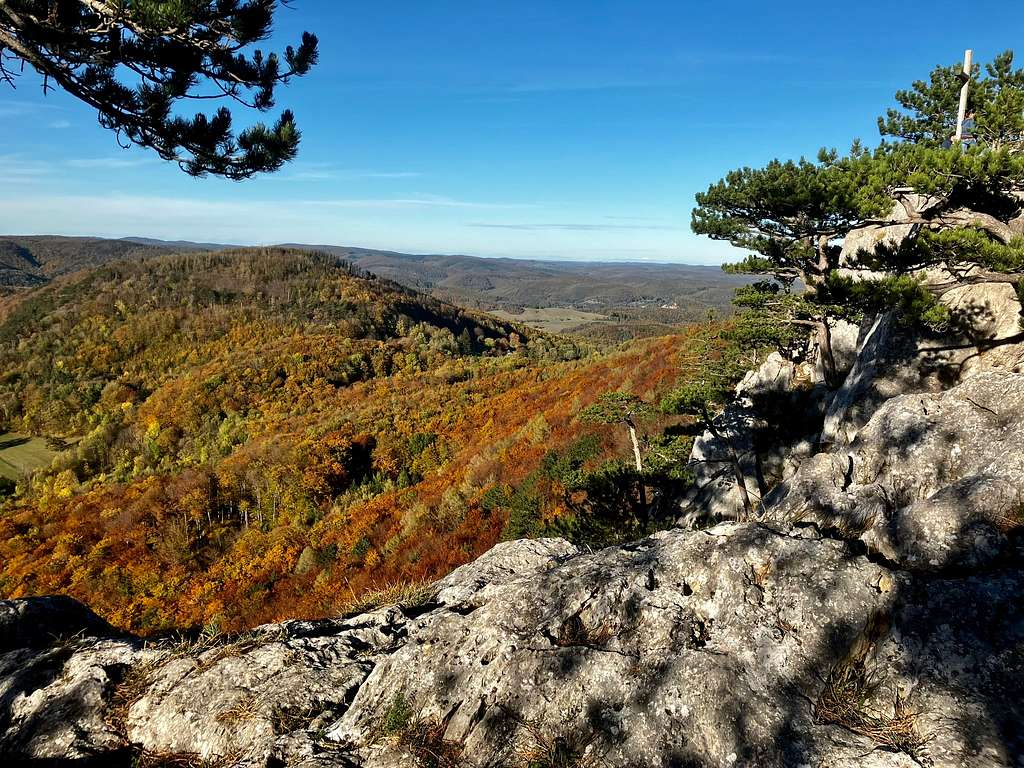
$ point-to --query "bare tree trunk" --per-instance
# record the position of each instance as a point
(737, 468)
(636, 447)
(931, 214)
(828, 359)
(965, 217)
(824, 331)
(639, 466)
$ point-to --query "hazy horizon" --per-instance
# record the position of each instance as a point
(360, 246)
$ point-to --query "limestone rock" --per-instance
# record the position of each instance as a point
(243, 698)
(633, 656)
(746, 426)
(869, 237)
(39, 621)
(504, 562)
(715, 648)
(931, 480)
(872, 619)
(54, 700)
(992, 316)
(893, 361)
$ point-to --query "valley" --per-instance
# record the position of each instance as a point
(551, 319)
(272, 500)
(225, 438)
(20, 455)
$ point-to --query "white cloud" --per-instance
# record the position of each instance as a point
(424, 201)
(327, 172)
(21, 108)
(569, 227)
(60, 124)
(110, 162)
(237, 221)
(422, 224)
(383, 174)
(18, 169)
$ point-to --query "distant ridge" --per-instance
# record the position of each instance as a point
(30, 260)
(179, 244)
(675, 292)
(508, 283)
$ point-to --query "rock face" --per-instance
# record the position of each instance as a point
(739, 645)
(633, 652)
(871, 618)
(39, 622)
(932, 481)
(778, 385)
(869, 237)
(892, 361)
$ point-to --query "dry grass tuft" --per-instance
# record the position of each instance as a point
(537, 749)
(759, 575)
(844, 702)
(221, 648)
(1010, 522)
(574, 632)
(246, 708)
(148, 758)
(130, 689)
(422, 738)
(404, 594)
(285, 719)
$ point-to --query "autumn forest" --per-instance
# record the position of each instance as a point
(230, 438)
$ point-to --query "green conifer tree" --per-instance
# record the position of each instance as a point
(138, 61)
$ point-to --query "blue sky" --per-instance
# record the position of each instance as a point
(570, 129)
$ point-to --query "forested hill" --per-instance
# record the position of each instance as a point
(146, 322)
(232, 437)
(602, 302)
(32, 260)
(507, 283)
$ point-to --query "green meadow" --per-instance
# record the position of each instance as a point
(20, 454)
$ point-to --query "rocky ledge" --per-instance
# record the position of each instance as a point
(738, 645)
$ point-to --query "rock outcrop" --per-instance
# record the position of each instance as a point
(738, 645)
(893, 361)
(778, 385)
(932, 481)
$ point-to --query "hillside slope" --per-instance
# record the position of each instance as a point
(605, 302)
(34, 259)
(262, 434)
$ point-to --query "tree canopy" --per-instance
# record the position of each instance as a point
(928, 109)
(137, 62)
(961, 205)
(712, 366)
(791, 213)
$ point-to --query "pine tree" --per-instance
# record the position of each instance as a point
(712, 366)
(137, 61)
(628, 410)
(963, 205)
(793, 215)
(928, 109)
